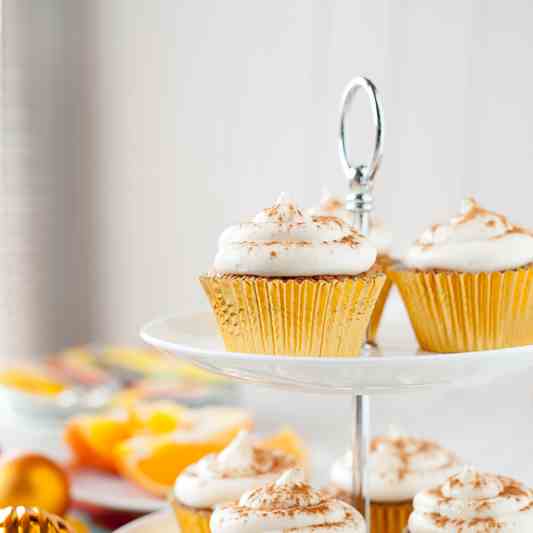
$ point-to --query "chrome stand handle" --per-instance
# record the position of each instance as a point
(361, 177)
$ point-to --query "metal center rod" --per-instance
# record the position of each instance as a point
(360, 444)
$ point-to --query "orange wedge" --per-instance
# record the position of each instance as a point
(156, 418)
(154, 461)
(33, 480)
(92, 439)
(32, 381)
(286, 440)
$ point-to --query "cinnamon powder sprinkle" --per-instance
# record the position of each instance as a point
(477, 211)
(327, 219)
(406, 448)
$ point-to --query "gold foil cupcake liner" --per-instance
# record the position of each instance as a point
(385, 517)
(389, 517)
(191, 520)
(464, 312)
(300, 316)
(375, 318)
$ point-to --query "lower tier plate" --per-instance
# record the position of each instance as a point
(162, 522)
(397, 365)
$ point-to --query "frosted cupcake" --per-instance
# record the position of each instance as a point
(224, 477)
(379, 236)
(288, 283)
(474, 502)
(289, 504)
(468, 284)
(399, 468)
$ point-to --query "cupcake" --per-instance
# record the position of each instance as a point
(399, 468)
(468, 284)
(288, 504)
(288, 283)
(224, 477)
(474, 502)
(379, 236)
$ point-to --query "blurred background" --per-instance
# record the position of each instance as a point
(134, 132)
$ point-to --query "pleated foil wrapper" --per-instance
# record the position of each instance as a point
(31, 520)
(385, 517)
(384, 262)
(300, 316)
(389, 517)
(191, 520)
(466, 312)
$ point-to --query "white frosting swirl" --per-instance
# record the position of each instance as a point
(474, 502)
(331, 205)
(223, 477)
(282, 241)
(476, 241)
(287, 504)
(399, 468)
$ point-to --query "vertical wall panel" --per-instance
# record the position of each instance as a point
(43, 302)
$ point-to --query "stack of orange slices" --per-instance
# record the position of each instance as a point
(152, 443)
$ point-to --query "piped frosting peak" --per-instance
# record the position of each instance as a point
(286, 504)
(477, 240)
(283, 241)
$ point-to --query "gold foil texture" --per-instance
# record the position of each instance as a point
(464, 312)
(302, 316)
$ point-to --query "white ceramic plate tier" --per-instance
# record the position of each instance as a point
(112, 492)
(397, 366)
(162, 522)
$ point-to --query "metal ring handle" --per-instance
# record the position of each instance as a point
(361, 177)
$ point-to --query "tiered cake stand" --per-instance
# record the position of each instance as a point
(396, 367)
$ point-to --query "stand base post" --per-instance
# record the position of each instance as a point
(360, 447)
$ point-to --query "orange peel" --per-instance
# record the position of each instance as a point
(33, 480)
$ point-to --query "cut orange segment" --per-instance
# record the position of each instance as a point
(154, 462)
(92, 439)
(33, 480)
(32, 381)
(156, 418)
(286, 440)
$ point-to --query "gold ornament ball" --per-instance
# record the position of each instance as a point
(21, 519)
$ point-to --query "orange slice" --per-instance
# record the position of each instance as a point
(32, 381)
(92, 439)
(156, 418)
(154, 462)
(33, 480)
(286, 440)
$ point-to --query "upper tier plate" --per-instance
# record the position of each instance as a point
(397, 366)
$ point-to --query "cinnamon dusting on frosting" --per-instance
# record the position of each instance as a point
(475, 502)
(304, 245)
(408, 448)
(289, 504)
(477, 240)
(472, 212)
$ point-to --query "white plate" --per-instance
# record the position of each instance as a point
(163, 522)
(398, 366)
(112, 492)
